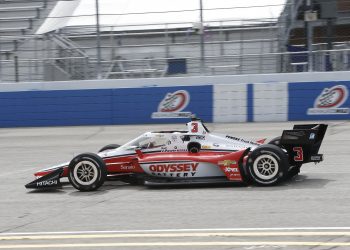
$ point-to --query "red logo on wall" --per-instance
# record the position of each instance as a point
(329, 101)
(174, 102)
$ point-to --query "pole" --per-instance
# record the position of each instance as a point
(309, 45)
(310, 37)
(98, 42)
(15, 58)
(202, 57)
(330, 38)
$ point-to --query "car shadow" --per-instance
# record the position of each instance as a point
(197, 186)
(47, 190)
(305, 182)
(298, 182)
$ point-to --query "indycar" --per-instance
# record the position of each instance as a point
(192, 156)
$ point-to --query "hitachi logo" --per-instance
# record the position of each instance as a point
(174, 167)
(46, 183)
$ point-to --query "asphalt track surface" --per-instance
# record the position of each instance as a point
(309, 212)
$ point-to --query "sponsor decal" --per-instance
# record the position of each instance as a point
(312, 136)
(242, 140)
(316, 158)
(200, 137)
(206, 147)
(231, 170)
(173, 150)
(174, 169)
(329, 102)
(46, 183)
(232, 138)
(174, 102)
(227, 163)
(127, 167)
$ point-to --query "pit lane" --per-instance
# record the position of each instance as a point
(319, 197)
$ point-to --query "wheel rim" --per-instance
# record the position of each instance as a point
(265, 167)
(85, 172)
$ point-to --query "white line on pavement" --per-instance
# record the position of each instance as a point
(190, 244)
(184, 230)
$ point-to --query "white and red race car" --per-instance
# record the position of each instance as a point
(190, 157)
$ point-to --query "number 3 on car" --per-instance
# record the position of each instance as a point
(299, 154)
(194, 127)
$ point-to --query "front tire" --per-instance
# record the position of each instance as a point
(268, 165)
(87, 172)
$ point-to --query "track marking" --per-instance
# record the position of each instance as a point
(184, 230)
(172, 235)
(190, 244)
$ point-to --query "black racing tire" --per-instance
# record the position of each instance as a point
(87, 172)
(268, 165)
(109, 147)
(193, 147)
(275, 141)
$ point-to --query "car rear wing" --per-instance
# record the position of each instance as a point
(303, 143)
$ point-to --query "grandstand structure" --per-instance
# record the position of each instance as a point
(19, 19)
(38, 44)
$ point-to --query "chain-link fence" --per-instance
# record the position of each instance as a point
(230, 46)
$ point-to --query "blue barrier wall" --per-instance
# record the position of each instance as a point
(100, 106)
(318, 101)
(108, 103)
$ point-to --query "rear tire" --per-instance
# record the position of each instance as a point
(267, 165)
(109, 147)
(87, 172)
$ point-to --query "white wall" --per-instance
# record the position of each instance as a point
(230, 103)
(270, 102)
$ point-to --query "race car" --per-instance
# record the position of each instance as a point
(193, 156)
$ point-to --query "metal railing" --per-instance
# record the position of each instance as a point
(231, 47)
(73, 65)
(60, 67)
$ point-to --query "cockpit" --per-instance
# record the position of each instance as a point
(146, 141)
